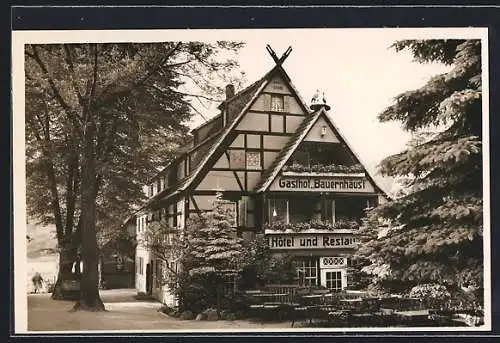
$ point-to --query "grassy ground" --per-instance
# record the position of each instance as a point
(123, 313)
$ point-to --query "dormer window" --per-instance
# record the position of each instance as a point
(277, 103)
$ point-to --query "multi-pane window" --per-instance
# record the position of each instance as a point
(253, 160)
(334, 280)
(277, 103)
(307, 271)
(300, 210)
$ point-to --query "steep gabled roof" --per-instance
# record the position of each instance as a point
(287, 151)
(243, 100)
(294, 142)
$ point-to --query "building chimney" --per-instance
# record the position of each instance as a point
(229, 91)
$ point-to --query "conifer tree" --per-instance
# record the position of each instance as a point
(214, 253)
(437, 233)
(214, 244)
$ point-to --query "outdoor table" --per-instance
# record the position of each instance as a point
(351, 300)
(270, 294)
(314, 296)
(412, 314)
(253, 291)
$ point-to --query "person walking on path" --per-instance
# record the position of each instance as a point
(37, 282)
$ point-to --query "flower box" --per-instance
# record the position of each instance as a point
(325, 169)
(319, 174)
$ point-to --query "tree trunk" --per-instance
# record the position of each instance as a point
(99, 271)
(67, 256)
(89, 284)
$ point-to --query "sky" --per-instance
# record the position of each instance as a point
(355, 68)
(358, 72)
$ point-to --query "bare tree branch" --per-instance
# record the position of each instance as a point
(69, 62)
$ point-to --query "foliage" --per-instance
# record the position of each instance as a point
(437, 233)
(359, 277)
(319, 168)
(264, 266)
(429, 291)
(208, 252)
(213, 242)
(314, 225)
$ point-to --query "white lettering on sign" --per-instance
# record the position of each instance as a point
(310, 241)
(333, 184)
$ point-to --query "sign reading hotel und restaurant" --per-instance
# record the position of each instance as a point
(319, 241)
(322, 184)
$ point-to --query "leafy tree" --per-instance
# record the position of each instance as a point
(438, 224)
(208, 253)
(100, 120)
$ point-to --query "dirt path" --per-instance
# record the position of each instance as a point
(124, 312)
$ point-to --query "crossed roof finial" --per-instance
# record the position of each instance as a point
(278, 61)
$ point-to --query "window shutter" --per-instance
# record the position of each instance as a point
(344, 279)
(286, 103)
(243, 211)
(267, 102)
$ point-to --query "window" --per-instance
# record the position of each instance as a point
(307, 271)
(301, 209)
(151, 190)
(333, 280)
(180, 216)
(237, 158)
(253, 160)
(350, 208)
(302, 158)
(277, 103)
(278, 210)
(140, 265)
(328, 211)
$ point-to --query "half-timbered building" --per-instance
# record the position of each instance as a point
(282, 164)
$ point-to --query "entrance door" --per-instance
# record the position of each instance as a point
(334, 279)
(149, 279)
